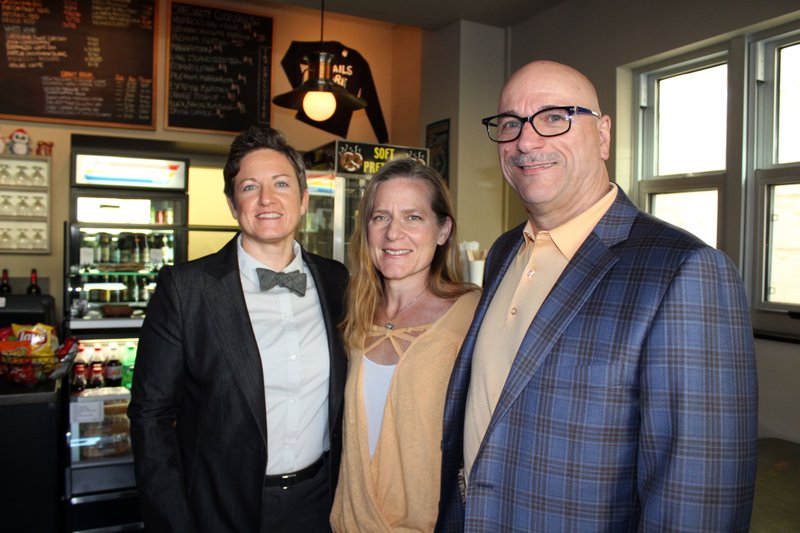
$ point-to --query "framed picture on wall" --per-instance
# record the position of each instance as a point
(437, 140)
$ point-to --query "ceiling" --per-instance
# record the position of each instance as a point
(428, 14)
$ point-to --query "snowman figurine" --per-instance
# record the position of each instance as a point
(19, 142)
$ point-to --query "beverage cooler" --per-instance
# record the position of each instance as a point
(128, 219)
(338, 173)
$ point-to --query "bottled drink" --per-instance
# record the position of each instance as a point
(125, 243)
(97, 376)
(113, 369)
(5, 288)
(133, 289)
(34, 288)
(80, 372)
(168, 252)
(136, 255)
(105, 296)
(127, 365)
(104, 244)
(116, 253)
(143, 294)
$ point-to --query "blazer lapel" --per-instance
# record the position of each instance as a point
(226, 305)
(575, 286)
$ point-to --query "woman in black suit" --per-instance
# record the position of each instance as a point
(237, 396)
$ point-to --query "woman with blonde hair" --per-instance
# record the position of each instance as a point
(407, 314)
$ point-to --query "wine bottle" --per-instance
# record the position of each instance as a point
(5, 288)
(34, 288)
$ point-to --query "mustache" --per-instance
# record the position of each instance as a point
(532, 159)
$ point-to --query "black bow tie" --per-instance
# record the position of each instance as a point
(294, 281)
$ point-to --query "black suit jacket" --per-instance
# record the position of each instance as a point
(197, 411)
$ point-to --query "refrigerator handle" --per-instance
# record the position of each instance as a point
(339, 217)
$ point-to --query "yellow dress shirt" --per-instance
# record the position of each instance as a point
(530, 278)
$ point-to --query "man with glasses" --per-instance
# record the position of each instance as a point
(607, 382)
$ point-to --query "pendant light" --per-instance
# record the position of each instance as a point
(318, 96)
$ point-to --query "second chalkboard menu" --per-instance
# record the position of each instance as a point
(78, 61)
(219, 69)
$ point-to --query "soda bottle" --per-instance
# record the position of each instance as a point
(80, 372)
(127, 365)
(113, 369)
(97, 376)
(34, 288)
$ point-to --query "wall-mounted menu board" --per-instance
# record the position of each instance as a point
(219, 69)
(78, 61)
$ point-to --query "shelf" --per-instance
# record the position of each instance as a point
(30, 193)
(104, 323)
(23, 218)
(102, 394)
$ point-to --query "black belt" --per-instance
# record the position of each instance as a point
(287, 481)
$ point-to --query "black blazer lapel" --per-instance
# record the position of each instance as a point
(225, 303)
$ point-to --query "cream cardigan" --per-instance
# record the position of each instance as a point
(398, 489)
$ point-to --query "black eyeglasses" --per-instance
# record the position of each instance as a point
(548, 122)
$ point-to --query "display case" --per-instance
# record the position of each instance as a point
(24, 204)
(100, 484)
(111, 272)
(338, 173)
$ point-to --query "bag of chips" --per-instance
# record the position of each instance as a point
(41, 337)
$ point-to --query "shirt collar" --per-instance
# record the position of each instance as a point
(569, 236)
(248, 264)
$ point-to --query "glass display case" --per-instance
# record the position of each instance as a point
(338, 173)
(111, 272)
(100, 484)
(24, 204)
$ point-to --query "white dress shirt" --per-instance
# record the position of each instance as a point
(293, 344)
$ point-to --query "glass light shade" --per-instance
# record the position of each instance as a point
(319, 105)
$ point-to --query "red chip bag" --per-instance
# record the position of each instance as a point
(15, 361)
(7, 334)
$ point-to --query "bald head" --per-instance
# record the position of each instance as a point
(556, 176)
(563, 83)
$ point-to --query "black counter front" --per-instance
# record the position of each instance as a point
(30, 451)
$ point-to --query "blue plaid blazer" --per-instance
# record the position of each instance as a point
(632, 402)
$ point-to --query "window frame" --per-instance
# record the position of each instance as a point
(774, 320)
(743, 187)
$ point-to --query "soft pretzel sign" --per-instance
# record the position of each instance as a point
(361, 158)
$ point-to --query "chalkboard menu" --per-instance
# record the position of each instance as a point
(219, 69)
(78, 61)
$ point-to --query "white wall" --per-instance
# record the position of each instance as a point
(778, 389)
(463, 70)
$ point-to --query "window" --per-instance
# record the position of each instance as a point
(717, 152)
(789, 104)
(683, 133)
(694, 210)
(691, 121)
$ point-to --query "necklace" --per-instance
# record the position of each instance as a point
(390, 324)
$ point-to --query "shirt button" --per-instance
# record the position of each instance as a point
(293, 400)
(513, 311)
(530, 273)
(293, 356)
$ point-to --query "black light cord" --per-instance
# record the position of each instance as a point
(321, 20)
